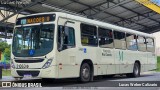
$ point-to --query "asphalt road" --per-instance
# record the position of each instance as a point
(98, 83)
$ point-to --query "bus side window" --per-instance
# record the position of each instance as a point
(150, 45)
(89, 35)
(141, 43)
(131, 41)
(105, 38)
(66, 37)
(119, 40)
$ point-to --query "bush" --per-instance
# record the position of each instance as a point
(5, 50)
(7, 53)
(3, 45)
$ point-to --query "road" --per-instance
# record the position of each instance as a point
(98, 83)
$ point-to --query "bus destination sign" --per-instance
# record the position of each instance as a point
(35, 19)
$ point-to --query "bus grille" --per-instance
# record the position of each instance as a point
(33, 73)
(29, 61)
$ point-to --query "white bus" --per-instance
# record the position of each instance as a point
(60, 45)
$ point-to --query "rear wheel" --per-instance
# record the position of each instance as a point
(85, 73)
(136, 71)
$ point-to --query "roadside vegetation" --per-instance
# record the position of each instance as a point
(6, 72)
(158, 64)
(4, 52)
(5, 57)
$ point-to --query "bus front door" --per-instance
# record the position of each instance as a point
(66, 54)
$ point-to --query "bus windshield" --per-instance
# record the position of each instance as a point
(35, 40)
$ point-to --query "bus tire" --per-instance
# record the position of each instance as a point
(136, 71)
(85, 73)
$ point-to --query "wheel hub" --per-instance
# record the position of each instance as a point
(136, 70)
(85, 73)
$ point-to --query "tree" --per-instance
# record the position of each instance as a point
(7, 53)
(3, 45)
(5, 49)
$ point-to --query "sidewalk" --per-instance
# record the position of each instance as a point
(7, 78)
(10, 78)
(149, 72)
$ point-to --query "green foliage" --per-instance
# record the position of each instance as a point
(158, 64)
(6, 72)
(5, 50)
(2, 59)
(3, 45)
(7, 53)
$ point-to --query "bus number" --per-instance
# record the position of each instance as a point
(22, 66)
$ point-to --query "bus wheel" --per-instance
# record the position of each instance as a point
(136, 71)
(85, 73)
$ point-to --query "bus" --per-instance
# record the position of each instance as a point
(60, 45)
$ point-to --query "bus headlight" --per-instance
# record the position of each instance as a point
(47, 64)
(12, 64)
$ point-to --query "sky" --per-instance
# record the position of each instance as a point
(9, 41)
(157, 2)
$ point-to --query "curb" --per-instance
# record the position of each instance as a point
(150, 72)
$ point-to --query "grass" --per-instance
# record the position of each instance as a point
(6, 72)
(158, 64)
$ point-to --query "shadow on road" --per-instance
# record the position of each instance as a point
(98, 80)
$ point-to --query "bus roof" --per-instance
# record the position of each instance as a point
(96, 22)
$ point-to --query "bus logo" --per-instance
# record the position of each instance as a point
(85, 50)
(23, 21)
(121, 55)
(31, 52)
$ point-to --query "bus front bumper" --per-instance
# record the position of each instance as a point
(50, 72)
